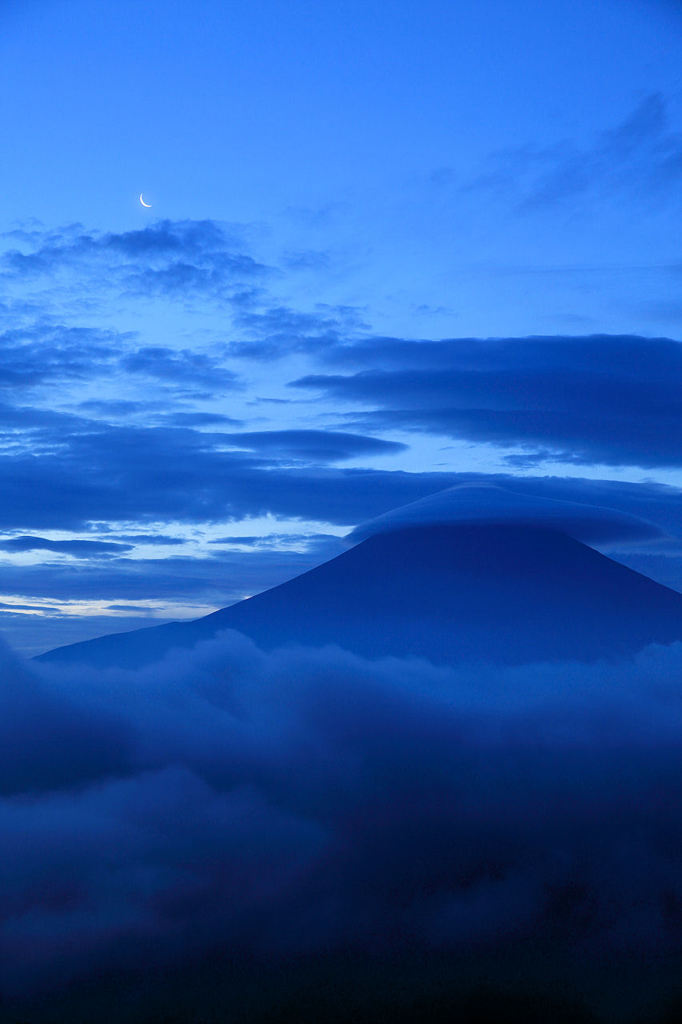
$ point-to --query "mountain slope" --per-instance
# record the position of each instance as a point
(499, 593)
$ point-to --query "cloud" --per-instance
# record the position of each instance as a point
(276, 806)
(156, 411)
(71, 744)
(317, 542)
(492, 503)
(23, 607)
(641, 157)
(657, 504)
(313, 446)
(219, 578)
(72, 605)
(41, 353)
(171, 258)
(102, 472)
(149, 538)
(201, 419)
(179, 366)
(611, 399)
(306, 259)
(66, 547)
(279, 331)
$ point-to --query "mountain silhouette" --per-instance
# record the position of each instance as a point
(496, 592)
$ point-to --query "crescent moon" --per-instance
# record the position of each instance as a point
(148, 205)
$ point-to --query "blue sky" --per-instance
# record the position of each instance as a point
(197, 400)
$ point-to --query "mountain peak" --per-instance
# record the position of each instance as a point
(497, 593)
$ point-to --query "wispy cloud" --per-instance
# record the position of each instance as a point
(179, 366)
(86, 548)
(640, 157)
(43, 355)
(172, 258)
(313, 446)
(279, 331)
(40, 353)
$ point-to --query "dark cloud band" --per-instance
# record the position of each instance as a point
(601, 399)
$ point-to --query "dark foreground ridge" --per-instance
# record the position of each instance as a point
(503, 593)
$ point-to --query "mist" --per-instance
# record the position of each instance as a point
(309, 802)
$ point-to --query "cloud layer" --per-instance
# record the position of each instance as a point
(280, 805)
(581, 400)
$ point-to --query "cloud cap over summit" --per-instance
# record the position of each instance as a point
(491, 503)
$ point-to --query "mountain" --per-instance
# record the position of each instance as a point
(503, 592)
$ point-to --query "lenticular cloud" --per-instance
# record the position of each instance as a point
(490, 503)
(278, 805)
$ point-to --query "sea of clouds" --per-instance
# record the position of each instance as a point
(277, 805)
